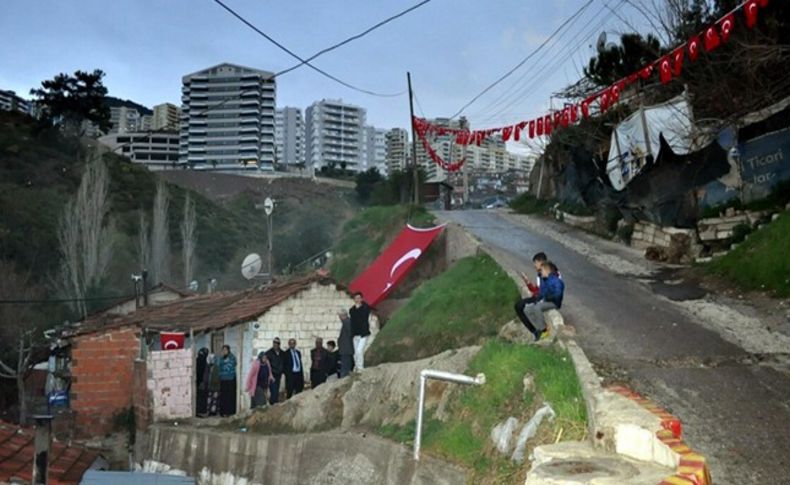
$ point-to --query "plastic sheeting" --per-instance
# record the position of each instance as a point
(630, 151)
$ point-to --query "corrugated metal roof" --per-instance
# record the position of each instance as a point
(94, 477)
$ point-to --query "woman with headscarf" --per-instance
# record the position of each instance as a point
(258, 380)
(201, 383)
(227, 382)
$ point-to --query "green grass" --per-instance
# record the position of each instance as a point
(762, 262)
(462, 306)
(528, 204)
(465, 436)
(364, 236)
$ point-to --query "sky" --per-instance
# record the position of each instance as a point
(453, 49)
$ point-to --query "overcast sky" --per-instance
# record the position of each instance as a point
(453, 48)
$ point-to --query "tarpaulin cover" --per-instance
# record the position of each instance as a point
(671, 119)
(394, 263)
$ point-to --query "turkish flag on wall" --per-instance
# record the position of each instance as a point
(381, 277)
(171, 340)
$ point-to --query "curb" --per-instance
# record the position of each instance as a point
(692, 467)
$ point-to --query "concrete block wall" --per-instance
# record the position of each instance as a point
(583, 222)
(169, 384)
(102, 375)
(721, 228)
(305, 316)
(647, 234)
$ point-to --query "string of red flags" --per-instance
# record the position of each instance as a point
(667, 67)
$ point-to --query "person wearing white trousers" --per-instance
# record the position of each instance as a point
(359, 314)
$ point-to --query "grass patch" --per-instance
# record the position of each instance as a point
(465, 436)
(762, 262)
(529, 204)
(364, 236)
(463, 305)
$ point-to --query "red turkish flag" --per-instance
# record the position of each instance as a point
(517, 129)
(665, 70)
(384, 274)
(566, 117)
(646, 72)
(506, 131)
(171, 340)
(725, 27)
(604, 101)
(694, 47)
(712, 40)
(539, 129)
(586, 108)
(677, 61)
(547, 125)
(532, 129)
(615, 91)
(557, 119)
(574, 113)
(750, 10)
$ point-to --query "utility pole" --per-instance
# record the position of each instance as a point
(415, 174)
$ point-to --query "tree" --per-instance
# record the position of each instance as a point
(366, 182)
(160, 237)
(617, 62)
(189, 239)
(143, 243)
(67, 101)
(85, 235)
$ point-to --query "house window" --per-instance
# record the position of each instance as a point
(217, 341)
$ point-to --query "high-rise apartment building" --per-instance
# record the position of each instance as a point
(124, 119)
(334, 135)
(166, 117)
(289, 136)
(227, 117)
(375, 148)
(9, 101)
(398, 150)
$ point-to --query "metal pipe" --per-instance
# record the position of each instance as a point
(439, 375)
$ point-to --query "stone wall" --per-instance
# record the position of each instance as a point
(647, 234)
(310, 314)
(721, 228)
(102, 376)
(588, 223)
(169, 384)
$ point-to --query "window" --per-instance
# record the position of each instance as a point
(123, 139)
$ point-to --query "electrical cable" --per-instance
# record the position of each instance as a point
(524, 60)
(296, 56)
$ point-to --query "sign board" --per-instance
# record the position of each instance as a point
(268, 206)
(765, 162)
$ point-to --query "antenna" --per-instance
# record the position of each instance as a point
(251, 266)
(600, 45)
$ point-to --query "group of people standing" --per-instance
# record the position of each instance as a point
(216, 374)
(545, 294)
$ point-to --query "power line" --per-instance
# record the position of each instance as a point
(523, 61)
(354, 37)
(64, 300)
(296, 56)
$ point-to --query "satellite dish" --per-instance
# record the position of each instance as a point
(601, 43)
(194, 286)
(268, 206)
(251, 266)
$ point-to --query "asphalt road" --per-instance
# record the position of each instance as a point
(735, 408)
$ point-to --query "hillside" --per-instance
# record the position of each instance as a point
(39, 172)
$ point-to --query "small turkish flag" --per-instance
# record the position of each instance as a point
(171, 340)
(604, 101)
(547, 125)
(665, 70)
(614, 91)
(586, 108)
(532, 129)
(725, 26)
(557, 119)
(677, 61)
(646, 72)
(712, 40)
(506, 131)
(694, 48)
(566, 117)
(750, 10)
(574, 113)
(517, 129)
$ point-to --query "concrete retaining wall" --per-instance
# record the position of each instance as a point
(321, 458)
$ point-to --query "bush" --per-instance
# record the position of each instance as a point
(576, 209)
(528, 204)
(740, 232)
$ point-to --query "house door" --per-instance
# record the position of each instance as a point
(217, 341)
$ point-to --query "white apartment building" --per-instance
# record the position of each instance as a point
(398, 150)
(124, 119)
(157, 151)
(166, 117)
(375, 148)
(289, 137)
(227, 119)
(334, 135)
(9, 101)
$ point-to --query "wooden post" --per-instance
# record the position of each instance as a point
(194, 371)
(415, 174)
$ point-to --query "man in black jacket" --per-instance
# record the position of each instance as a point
(360, 327)
(276, 361)
(319, 363)
(294, 372)
(345, 344)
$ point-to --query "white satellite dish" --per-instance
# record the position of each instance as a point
(268, 206)
(251, 266)
(600, 45)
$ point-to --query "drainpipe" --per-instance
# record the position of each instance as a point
(439, 375)
(41, 443)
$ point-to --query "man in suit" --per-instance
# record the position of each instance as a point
(294, 372)
(319, 363)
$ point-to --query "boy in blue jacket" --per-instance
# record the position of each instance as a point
(550, 297)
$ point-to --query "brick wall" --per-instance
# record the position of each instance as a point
(102, 375)
(310, 314)
(169, 384)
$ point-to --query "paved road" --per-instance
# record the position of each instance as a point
(735, 409)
